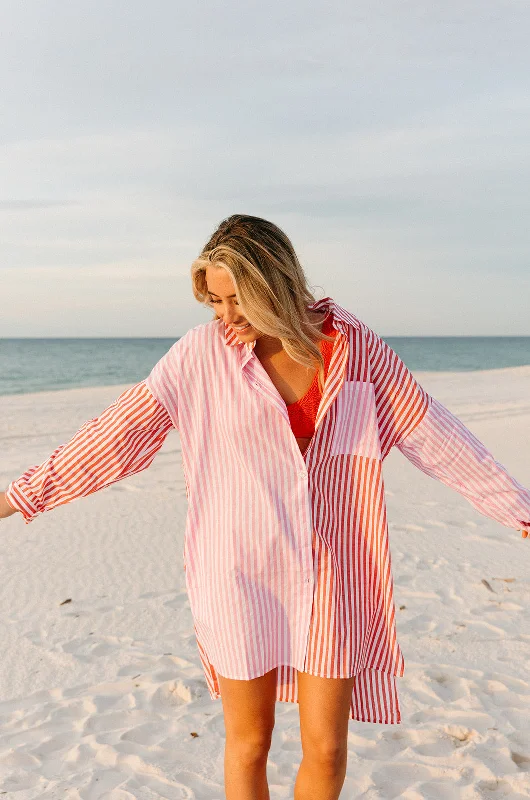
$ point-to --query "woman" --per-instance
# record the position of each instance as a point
(286, 408)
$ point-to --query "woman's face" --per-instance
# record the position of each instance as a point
(222, 295)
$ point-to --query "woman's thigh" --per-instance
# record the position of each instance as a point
(249, 705)
(324, 707)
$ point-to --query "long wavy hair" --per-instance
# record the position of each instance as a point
(270, 285)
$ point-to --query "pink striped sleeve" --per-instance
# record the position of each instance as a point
(121, 441)
(442, 447)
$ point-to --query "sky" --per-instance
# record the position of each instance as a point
(389, 140)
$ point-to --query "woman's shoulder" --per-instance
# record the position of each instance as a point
(188, 349)
(199, 336)
(339, 317)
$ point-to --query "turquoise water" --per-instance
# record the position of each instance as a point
(36, 365)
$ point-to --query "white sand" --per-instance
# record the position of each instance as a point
(99, 697)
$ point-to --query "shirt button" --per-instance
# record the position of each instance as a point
(303, 473)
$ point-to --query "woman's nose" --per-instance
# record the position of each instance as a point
(231, 316)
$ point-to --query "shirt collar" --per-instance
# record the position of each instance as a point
(338, 321)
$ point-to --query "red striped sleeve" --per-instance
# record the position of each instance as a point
(401, 402)
(121, 441)
(442, 447)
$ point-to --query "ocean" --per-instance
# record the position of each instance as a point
(37, 365)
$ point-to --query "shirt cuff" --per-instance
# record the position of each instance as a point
(20, 501)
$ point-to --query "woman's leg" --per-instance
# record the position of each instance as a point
(248, 708)
(324, 712)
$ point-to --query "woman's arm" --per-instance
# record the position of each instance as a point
(438, 443)
(121, 441)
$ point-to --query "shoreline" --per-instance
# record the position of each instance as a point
(518, 371)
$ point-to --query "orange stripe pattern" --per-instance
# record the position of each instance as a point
(123, 440)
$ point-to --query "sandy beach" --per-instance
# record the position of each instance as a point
(101, 690)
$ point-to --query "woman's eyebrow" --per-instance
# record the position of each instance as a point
(217, 295)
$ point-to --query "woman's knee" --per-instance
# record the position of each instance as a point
(330, 753)
(251, 749)
(249, 713)
(324, 713)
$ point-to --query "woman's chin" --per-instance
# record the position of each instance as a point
(250, 331)
(246, 335)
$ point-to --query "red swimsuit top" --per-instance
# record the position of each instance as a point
(302, 414)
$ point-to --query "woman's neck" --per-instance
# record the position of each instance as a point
(268, 346)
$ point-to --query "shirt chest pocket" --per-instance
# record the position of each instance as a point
(356, 430)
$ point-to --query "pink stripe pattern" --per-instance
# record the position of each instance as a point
(286, 556)
(443, 448)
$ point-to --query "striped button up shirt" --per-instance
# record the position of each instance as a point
(286, 555)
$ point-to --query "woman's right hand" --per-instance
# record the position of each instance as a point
(5, 509)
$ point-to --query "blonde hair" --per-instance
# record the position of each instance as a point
(270, 284)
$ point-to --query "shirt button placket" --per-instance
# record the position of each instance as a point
(303, 474)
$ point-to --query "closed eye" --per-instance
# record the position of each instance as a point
(218, 301)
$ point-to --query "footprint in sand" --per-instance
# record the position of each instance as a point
(521, 760)
(177, 693)
(445, 686)
(393, 781)
(435, 523)
(409, 527)
(498, 789)
(478, 630)
(429, 563)
(103, 738)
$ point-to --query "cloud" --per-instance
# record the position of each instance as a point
(29, 204)
(392, 137)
